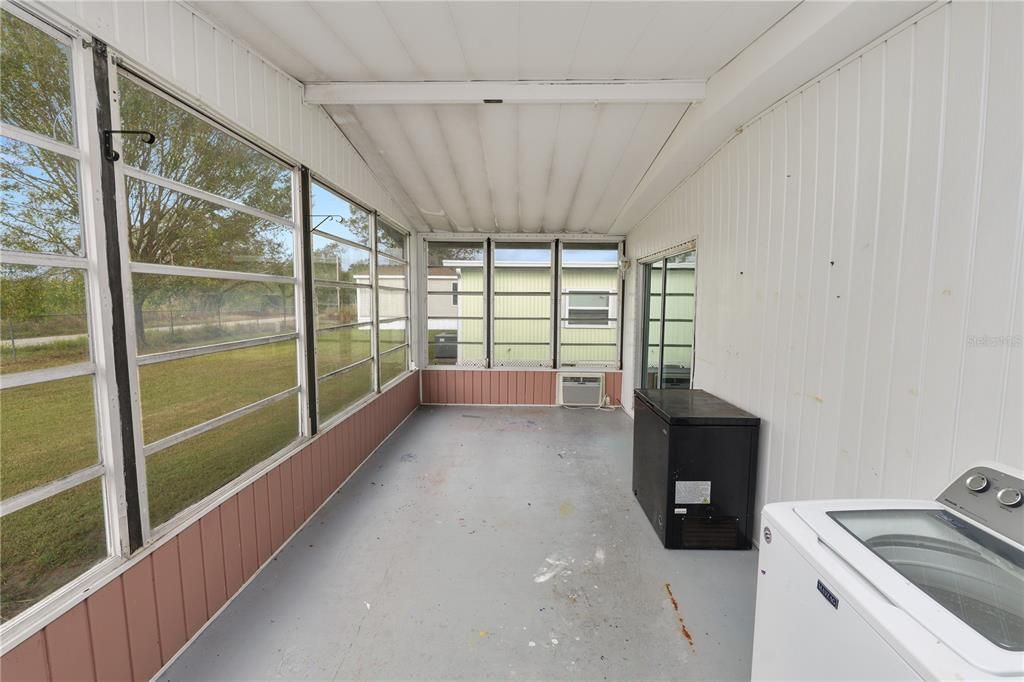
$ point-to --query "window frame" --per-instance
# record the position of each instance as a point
(550, 360)
(377, 287)
(371, 288)
(310, 232)
(557, 242)
(129, 267)
(93, 264)
(484, 296)
(615, 308)
(643, 348)
(566, 319)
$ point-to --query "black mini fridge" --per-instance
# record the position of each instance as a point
(694, 468)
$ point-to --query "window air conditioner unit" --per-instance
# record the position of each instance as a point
(581, 390)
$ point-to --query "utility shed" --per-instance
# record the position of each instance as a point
(293, 295)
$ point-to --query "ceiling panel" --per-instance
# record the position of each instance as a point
(423, 131)
(503, 167)
(645, 141)
(577, 125)
(383, 127)
(489, 37)
(548, 35)
(538, 123)
(610, 34)
(611, 143)
(462, 137)
(428, 33)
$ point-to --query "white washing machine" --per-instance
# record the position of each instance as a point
(895, 590)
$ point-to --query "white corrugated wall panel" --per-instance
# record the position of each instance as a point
(184, 50)
(859, 264)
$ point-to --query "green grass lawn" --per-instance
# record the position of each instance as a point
(49, 430)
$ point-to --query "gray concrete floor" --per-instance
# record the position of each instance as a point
(483, 543)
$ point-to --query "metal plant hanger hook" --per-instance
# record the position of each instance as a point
(108, 141)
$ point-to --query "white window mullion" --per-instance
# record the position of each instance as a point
(99, 301)
(374, 305)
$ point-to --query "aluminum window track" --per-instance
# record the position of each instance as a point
(46, 260)
(189, 271)
(344, 325)
(224, 202)
(41, 141)
(340, 240)
(335, 284)
(167, 356)
(211, 424)
(355, 364)
(30, 497)
(38, 376)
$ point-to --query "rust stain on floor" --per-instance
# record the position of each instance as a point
(682, 626)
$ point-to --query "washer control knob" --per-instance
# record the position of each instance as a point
(977, 483)
(1010, 497)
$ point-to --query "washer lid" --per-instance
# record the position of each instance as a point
(959, 581)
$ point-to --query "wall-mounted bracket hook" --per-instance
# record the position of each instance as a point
(108, 141)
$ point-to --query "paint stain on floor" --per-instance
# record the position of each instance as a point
(682, 626)
(566, 508)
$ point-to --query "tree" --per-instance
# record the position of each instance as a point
(39, 204)
(172, 227)
(39, 189)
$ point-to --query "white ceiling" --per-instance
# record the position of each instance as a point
(503, 167)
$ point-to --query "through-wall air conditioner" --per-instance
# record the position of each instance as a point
(581, 389)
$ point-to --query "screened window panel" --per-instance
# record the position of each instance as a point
(669, 332)
(522, 267)
(392, 273)
(518, 306)
(445, 305)
(179, 394)
(393, 363)
(342, 390)
(334, 215)
(194, 152)
(583, 355)
(202, 198)
(183, 474)
(48, 423)
(35, 451)
(391, 241)
(336, 306)
(50, 543)
(589, 304)
(43, 318)
(455, 263)
(678, 333)
(393, 334)
(337, 348)
(456, 332)
(392, 302)
(461, 354)
(175, 228)
(174, 312)
(521, 355)
(522, 331)
(337, 262)
(576, 335)
(36, 88)
(39, 200)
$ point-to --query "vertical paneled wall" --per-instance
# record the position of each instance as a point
(134, 624)
(501, 387)
(859, 264)
(167, 39)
